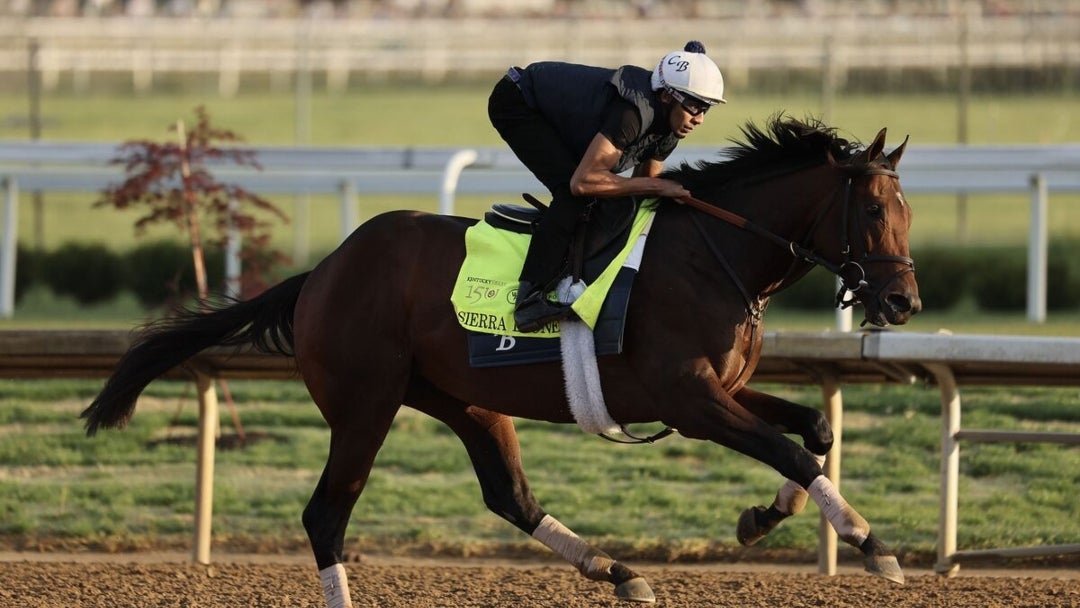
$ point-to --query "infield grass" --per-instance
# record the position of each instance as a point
(678, 499)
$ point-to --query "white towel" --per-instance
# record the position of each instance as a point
(580, 371)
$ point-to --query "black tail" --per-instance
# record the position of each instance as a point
(264, 322)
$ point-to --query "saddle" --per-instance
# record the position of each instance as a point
(597, 240)
(600, 257)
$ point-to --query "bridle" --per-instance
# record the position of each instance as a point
(855, 280)
(850, 271)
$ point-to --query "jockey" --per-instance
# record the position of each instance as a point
(577, 128)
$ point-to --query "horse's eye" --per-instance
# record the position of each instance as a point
(874, 210)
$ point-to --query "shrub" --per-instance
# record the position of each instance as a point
(999, 279)
(943, 275)
(161, 271)
(89, 273)
(815, 291)
(28, 265)
(1063, 276)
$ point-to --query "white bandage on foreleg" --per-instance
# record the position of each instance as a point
(791, 499)
(594, 564)
(335, 587)
(849, 525)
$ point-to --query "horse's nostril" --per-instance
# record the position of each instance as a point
(900, 303)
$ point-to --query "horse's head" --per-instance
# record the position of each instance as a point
(870, 235)
(849, 215)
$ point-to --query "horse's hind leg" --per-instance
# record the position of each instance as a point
(493, 447)
(354, 442)
(787, 417)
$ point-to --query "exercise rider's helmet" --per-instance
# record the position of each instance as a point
(689, 71)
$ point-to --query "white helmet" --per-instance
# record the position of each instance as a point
(690, 71)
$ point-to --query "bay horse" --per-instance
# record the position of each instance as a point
(371, 328)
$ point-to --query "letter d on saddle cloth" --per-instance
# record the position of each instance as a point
(600, 239)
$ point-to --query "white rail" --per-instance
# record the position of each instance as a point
(348, 172)
(945, 360)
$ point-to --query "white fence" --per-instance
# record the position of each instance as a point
(347, 172)
(826, 359)
(440, 49)
(948, 361)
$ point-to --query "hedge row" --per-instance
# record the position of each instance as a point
(155, 272)
(994, 277)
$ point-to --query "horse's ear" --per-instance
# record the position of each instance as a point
(894, 156)
(875, 148)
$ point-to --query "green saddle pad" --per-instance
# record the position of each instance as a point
(487, 283)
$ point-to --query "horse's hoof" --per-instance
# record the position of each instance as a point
(635, 590)
(884, 566)
(747, 530)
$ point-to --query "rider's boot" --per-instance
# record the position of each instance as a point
(544, 263)
(533, 310)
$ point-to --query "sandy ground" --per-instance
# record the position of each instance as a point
(150, 580)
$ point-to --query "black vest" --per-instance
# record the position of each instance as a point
(578, 99)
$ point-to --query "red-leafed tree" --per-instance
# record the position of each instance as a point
(172, 182)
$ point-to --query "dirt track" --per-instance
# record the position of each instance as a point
(117, 583)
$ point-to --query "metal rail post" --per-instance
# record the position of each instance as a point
(1037, 250)
(844, 316)
(834, 412)
(950, 468)
(350, 218)
(8, 247)
(457, 163)
(204, 467)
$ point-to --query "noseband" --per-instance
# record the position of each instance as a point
(850, 271)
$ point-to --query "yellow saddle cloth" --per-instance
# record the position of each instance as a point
(487, 283)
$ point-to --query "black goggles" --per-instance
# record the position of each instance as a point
(693, 105)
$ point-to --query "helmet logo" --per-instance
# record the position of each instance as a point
(680, 64)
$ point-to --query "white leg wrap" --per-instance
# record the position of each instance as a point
(791, 499)
(594, 564)
(849, 525)
(335, 587)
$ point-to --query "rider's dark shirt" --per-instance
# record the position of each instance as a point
(581, 101)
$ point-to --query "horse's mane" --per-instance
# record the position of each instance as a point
(784, 144)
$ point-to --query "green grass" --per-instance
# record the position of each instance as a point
(676, 499)
(456, 115)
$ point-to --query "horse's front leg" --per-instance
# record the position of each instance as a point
(718, 417)
(787, 417)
